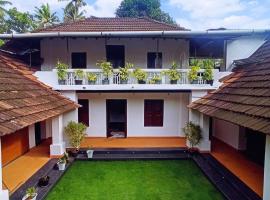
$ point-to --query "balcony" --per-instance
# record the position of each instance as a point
(50, 78)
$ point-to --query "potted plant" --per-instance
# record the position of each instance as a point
(31, 194)
(124, 73)
(193, 134)
(66, 157)
(76, 134)
(193, 74)
(107, 71)
(43, 181)
(208, 72)
(90, 152)
(156, 79)
(61, 72)
(173, 74)
(61, 164)
(140, 75)
(92, 78)
(79, 74)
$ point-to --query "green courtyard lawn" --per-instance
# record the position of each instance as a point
(134, 180)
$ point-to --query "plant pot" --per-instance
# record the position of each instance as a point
(91, 82)
(78, 82)
(141, 82)
(106, 81)
(62, 82)
(74, 153)
(123, 81)
(194, 82)
(173, 82)
(90, 153)
(44, 182)
(61, 166)
(26, 197)
(210, 82)
(158, 82)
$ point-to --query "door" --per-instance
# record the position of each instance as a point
(116, 55)
(38, 133)
(14, 145)
(116, 118)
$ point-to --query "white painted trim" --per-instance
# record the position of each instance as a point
(266, 187)
(32, 136)
(3, 193)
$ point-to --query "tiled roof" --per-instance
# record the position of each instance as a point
(244, 98)
(94, 24)
(23, 99)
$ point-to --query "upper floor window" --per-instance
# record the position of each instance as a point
(78, 60)
(154, 60)
(116, 55)
(153, 113)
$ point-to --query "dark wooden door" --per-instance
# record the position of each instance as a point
(116, 55)
(38, 133)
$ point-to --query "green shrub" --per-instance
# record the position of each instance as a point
(193, 73)
(139, 74)
(193, 133)
(106, 68)
(61, 70)
(76, 133)
(79, 74)
(124, 71)
(91, 76)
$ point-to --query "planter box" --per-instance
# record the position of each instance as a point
(105, 81)
(173, 82)
(141, 82)
(123, 81)
(78, 82)
(62, 82)
(195, 82)
(210, 82)
(91, 82)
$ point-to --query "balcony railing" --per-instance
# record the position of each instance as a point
(115, 78)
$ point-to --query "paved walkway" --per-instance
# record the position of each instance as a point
(20, 170)
(249, 172)
(166, 142)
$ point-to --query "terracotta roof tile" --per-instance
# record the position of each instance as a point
(95, 24)
(244, 98)
(23, 99)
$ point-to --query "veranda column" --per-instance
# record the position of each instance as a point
(32, 136)
(3, 193)
(57, 147)
(266, 187)
(48, 123)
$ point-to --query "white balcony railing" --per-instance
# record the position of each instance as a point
(115, 78)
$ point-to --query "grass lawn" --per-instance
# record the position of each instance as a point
(134, 180)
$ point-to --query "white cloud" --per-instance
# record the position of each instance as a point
(102, 8)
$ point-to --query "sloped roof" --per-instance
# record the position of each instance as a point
(23, 99)
(94, 24)
(244, 98)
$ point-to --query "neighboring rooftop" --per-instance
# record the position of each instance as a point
(244, 98)
(94, 24)
(23, 99)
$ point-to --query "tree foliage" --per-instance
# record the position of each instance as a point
(144, 8)
(44, 17)
(72, 11)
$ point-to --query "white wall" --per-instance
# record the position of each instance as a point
(266, 190)
(135, 50)
(32, 136)
(242, 47)
(229, 133)
(175, 114)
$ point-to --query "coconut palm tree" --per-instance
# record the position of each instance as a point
(74, 3)
(72, 14)
(44, 17)
(2, 4)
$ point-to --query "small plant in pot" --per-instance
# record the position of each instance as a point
(173, 74)
(107, 71)
(62, 164)
(90, 152)
(79, 74)
(193, 135)
(76, 133)
(124, 73)
(208, 72)
(140, 75)
(30, 194)
(62, 72)
(92, 78)
(193, 74)
(155, 80)
(43, 181)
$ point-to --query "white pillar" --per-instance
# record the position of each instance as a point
(48, 128)
(201, 120)
(32, 136)
(57, 147)
(3, 193)
(266, 185)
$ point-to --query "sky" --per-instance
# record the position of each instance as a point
(192, 14)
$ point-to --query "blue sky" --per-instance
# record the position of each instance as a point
(193, 14)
